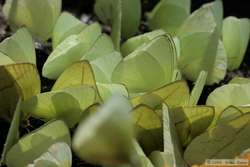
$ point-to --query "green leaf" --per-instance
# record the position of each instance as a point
(192, 121)
(33, 145)
(135, 42)
(38, 16)
(167, 94)
(21, 42)
(49, 105)
(148, 125)
(198, 37)
(236, 33)
(93, 140)
(13, 134)
(148, 67)
(169, 15)
(17, 81)
(58, 155)
(66, 25)
(226, 141)
(71, 50)
(227, 95)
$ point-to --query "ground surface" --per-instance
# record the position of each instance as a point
(84, 9)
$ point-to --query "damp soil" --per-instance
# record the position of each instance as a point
(84, 11)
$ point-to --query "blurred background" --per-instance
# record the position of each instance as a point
(239, 8)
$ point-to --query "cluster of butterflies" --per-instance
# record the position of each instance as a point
(130, 101)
